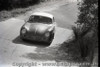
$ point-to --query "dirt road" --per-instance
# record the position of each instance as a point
(14, 51)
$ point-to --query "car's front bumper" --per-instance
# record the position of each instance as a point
(35, 38)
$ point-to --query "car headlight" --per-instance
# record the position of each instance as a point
(47, 34)
(23, 31)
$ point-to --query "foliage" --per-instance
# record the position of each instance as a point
(9, 4)
(88, 14)
(86, 32)
(85, 41)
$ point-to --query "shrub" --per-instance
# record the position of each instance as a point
(86, 33)
(9, 4)
(85, 41)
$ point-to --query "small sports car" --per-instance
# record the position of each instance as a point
(40, 26)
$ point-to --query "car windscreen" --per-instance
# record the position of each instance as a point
(40, 19)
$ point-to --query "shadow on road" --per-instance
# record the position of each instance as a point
(42, 54)
(38, 56)
(17, 40)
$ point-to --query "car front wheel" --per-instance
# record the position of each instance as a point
(22, 37)
(51, 38)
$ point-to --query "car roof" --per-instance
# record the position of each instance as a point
(43, 14)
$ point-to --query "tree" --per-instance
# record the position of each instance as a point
(88, 14)
(87, 21)
(4, 4)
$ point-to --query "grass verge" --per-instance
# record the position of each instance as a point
(6, 14)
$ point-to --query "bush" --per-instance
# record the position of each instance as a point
(86, 33)
(85, 41)
(10, 4)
